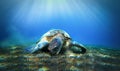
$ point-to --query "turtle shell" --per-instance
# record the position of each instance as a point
(56, 39)
(47, 37)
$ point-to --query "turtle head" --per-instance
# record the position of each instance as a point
(55, 45)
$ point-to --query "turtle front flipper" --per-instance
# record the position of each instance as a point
(36, 47)
(77, 48)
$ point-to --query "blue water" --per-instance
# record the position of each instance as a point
(90, 22)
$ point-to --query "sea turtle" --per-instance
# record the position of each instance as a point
(57, 41)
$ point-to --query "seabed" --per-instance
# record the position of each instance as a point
(13, 58)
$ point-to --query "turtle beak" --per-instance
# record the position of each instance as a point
(55, 45)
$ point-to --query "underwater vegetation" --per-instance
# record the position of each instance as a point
(13, 58)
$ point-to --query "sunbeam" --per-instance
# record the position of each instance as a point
(87, 21)
(38, 13)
